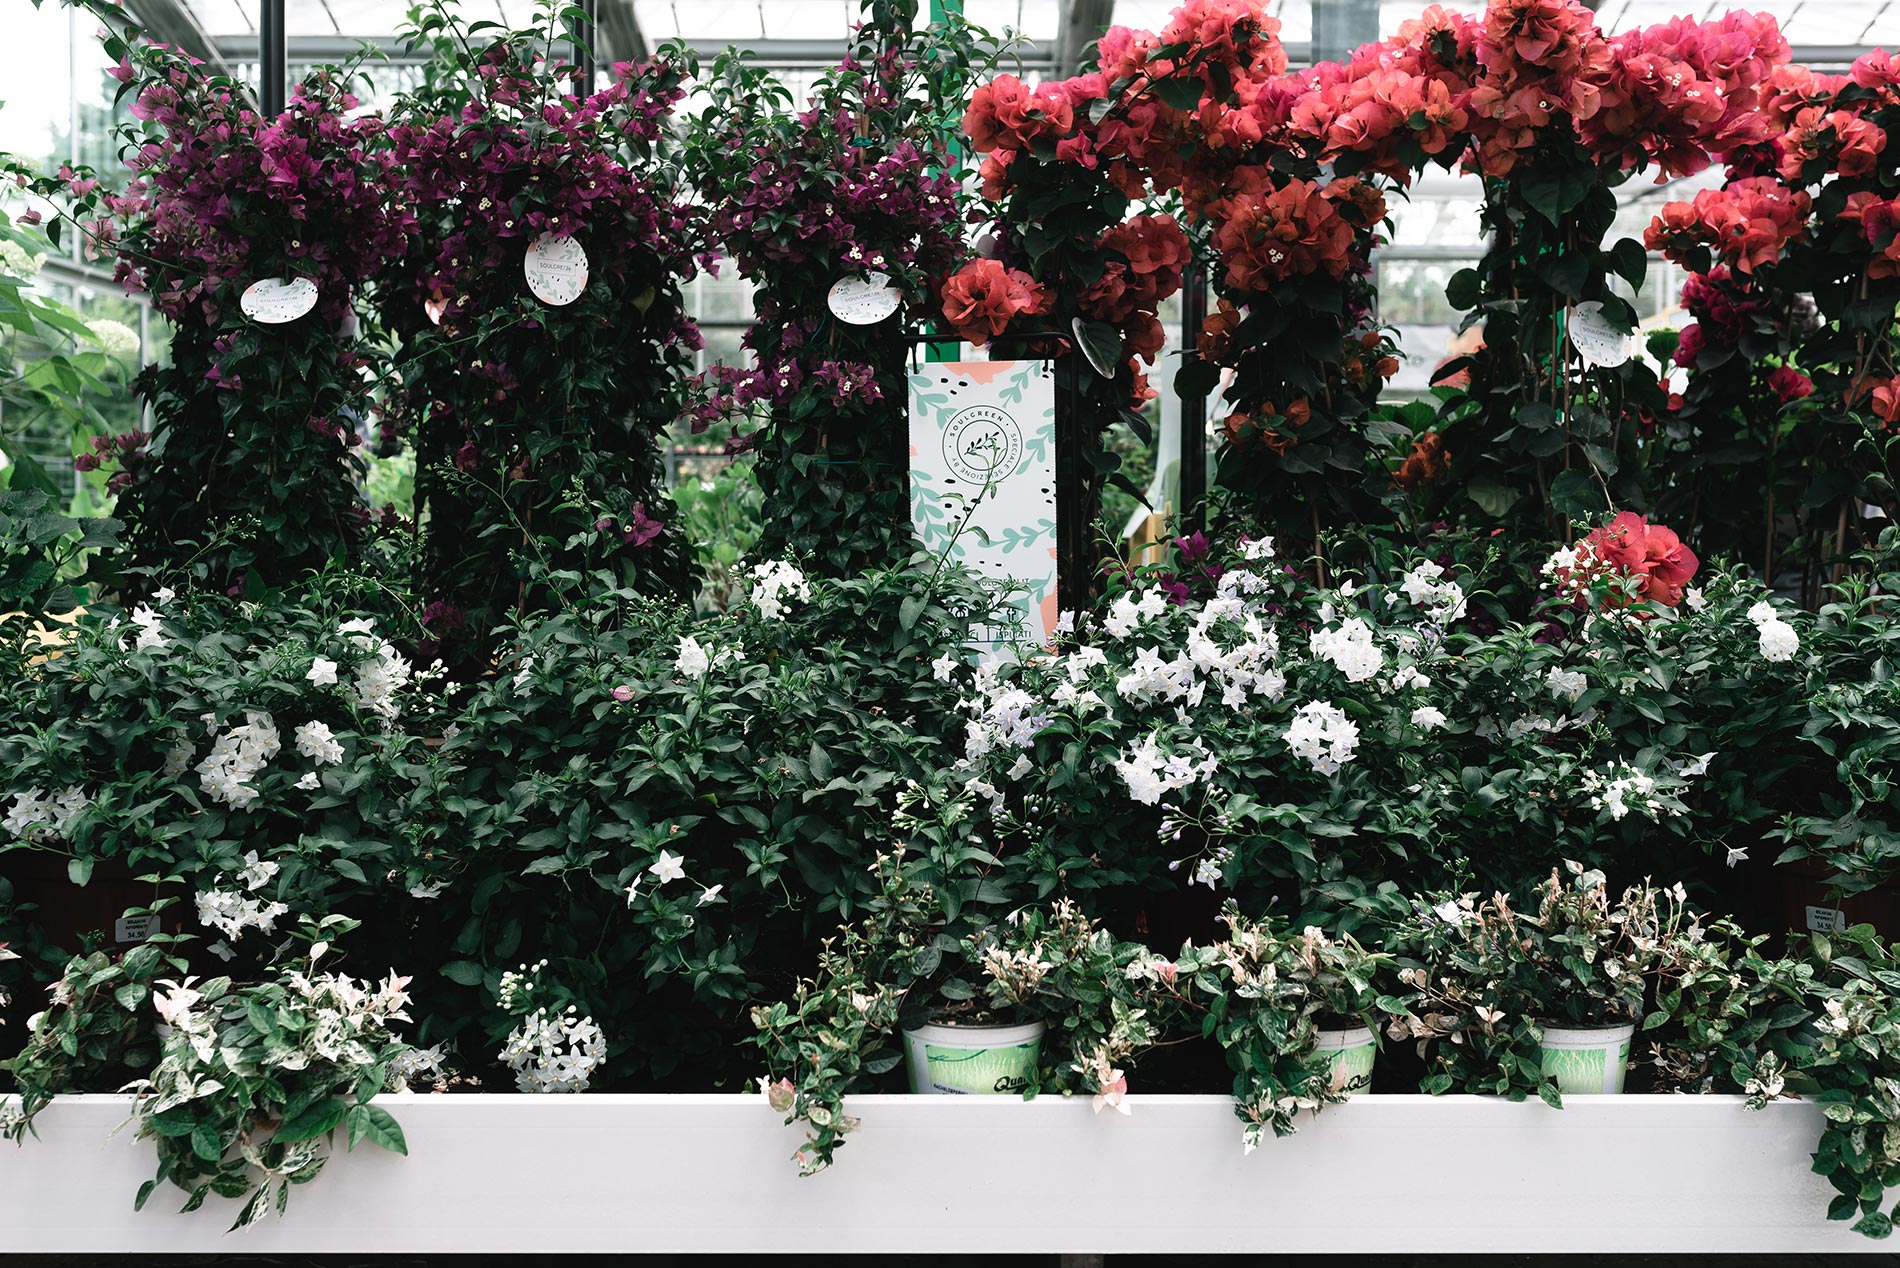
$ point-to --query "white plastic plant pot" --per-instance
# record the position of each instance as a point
(1352, 1052)
(973, 1060)
(1587, 1060)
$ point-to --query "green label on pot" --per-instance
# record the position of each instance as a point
(1587, 1071)
(1352, 1068)
(965, 1071)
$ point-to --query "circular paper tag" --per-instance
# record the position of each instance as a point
(272, 301)
(863, 301)
(556, 269)
(1595, 339)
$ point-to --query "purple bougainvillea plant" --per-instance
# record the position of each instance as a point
(536, 424)
(249, 473)
(864, 181)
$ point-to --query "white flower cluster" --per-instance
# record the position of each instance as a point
(231, 912)
(554, 1053)
(236, 757)
(695, 660)
(1350, 648)
(315, 741)
(1150, 774)
(772, 582)
(379, 677)
(418, 1063)
(150, 637)
(33, 816)
(1566, 684)
(1428, 718)
(1443, 601)
(1323, 736)
(18, 261)
(1006, 717)
(1623, 789)
(115, 337)
(1127, 614)
(1776, 637)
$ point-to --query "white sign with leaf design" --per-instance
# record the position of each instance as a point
(984, 432)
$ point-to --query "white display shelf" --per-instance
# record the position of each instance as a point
(506, 1173)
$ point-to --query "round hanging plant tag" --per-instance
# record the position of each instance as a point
(272, 301)
(1595, 339)
(556, 269)
(863, 301)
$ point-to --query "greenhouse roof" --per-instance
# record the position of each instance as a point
(1825, 32)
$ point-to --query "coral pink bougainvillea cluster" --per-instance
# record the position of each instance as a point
(1646, 561)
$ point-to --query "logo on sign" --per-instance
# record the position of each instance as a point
(982, 444)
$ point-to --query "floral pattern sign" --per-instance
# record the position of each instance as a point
(982, 460)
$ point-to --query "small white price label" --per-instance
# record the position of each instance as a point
(556, 269)
(1595, 339)
(1826, 920)
(863, 301)
(134, 928)
(273, 301)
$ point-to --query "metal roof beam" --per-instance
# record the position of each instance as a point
(1079, 23)
(172, 22)
(618, 34)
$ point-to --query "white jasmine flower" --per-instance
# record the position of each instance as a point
(711, 895)
(1778, 640)
(308, 781)
(315, 742)
(1566, 684)
(256, 872)
(322, 672)
(1350, 648)
(692, 661)
(1323, 736)
(1427, 718)
(943, 667)
(667, 867)
(772, 582)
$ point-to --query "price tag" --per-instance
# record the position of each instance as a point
(1595, 339)
(556, 269)
(273, 301)
(863, 301)
(134, 928)
(1826, 920)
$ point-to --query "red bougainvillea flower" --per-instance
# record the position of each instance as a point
(1006, 114)
(1630, 546)
(1290, 230)
(1789, 384)
(1746, 224)
(983, 297)
(1884, 401)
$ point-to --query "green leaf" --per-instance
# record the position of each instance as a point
(378, 1126)
(908, 611)
(314, 1121)
(1553, 190)
(1630, 261)
(463, 972)
(79, 871)
(206, 1143)
(1182, 94)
